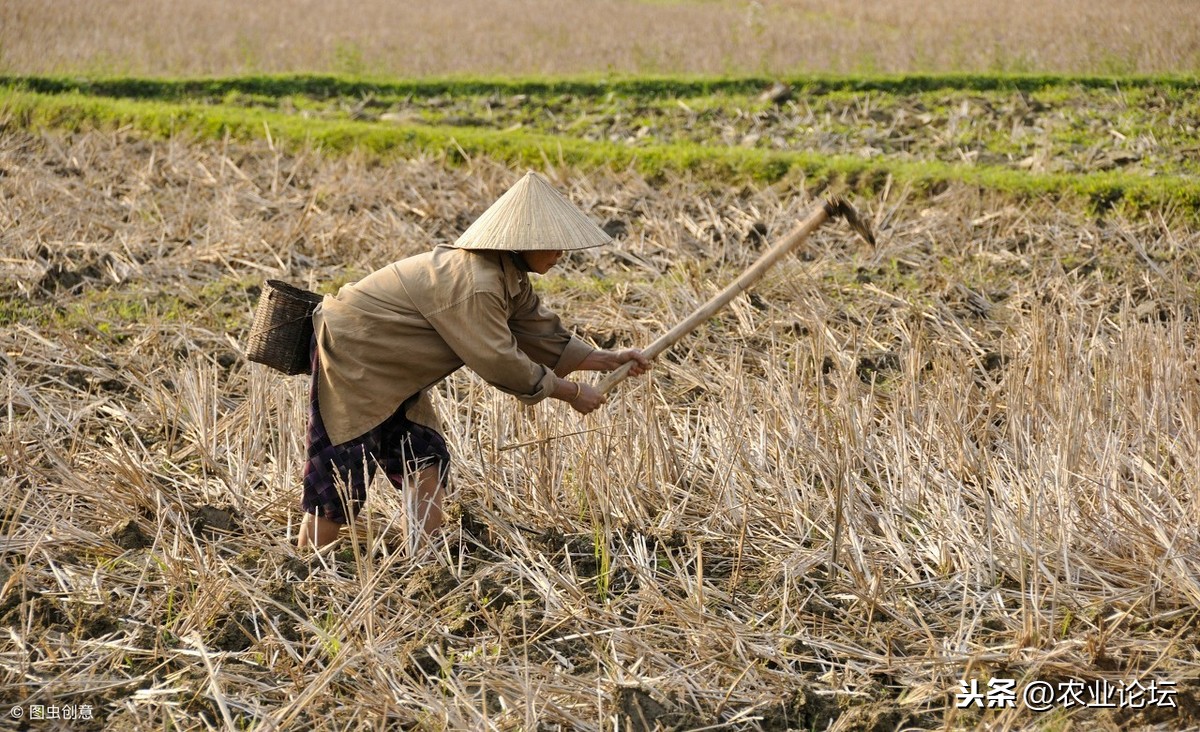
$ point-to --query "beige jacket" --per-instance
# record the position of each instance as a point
(405, 327)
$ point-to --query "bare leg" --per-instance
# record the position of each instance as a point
(317, 531)
(429, 502)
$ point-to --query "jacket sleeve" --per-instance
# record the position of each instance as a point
(542, 336)
(477, 330)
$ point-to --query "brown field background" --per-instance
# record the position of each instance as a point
(1004, 396)
(529, 37)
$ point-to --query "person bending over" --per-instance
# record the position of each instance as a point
(381, 343)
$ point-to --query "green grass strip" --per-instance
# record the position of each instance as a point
(1101, 191)
(333, 86)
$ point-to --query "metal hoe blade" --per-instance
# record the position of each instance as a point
(833, 208)
(841, 208)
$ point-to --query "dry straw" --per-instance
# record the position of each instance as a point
(1005, 396)
(538, 37)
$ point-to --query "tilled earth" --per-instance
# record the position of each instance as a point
(1144, 129)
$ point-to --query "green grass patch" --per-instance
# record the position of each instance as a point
(111, 311)
(1101, 191)
(321, 86)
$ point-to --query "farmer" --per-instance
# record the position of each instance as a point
(382, 342)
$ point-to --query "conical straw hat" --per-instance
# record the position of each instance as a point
(532, 216)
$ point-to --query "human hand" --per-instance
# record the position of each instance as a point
(641, 364)
(588, 399)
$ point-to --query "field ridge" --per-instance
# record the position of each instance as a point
(1087, 164)
(335, 85)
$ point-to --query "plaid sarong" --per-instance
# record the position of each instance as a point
(336, 476)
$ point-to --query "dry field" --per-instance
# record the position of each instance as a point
(1002, 399)
(177, 37)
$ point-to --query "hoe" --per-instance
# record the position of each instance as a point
(833, 208)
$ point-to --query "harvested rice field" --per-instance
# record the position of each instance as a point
(883, 478)
(539, 37)
(945, 482)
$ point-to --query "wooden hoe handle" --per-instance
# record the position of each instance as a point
(833, 208)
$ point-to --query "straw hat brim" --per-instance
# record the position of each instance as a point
(532, 216)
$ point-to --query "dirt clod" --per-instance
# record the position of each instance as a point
(432, 581)
(129, 535)
(616, 228)
(756, 235)
(210, 521)
(640, 712)
(234, 632)
(800, 711)
(95, 623)
(43, 613)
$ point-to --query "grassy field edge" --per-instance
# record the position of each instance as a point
(333, 85)
(1098, 192)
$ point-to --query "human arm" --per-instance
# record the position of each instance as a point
(476, 328)
(583, 398)
(541, 335)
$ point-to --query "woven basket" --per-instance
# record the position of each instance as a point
(282, 331)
